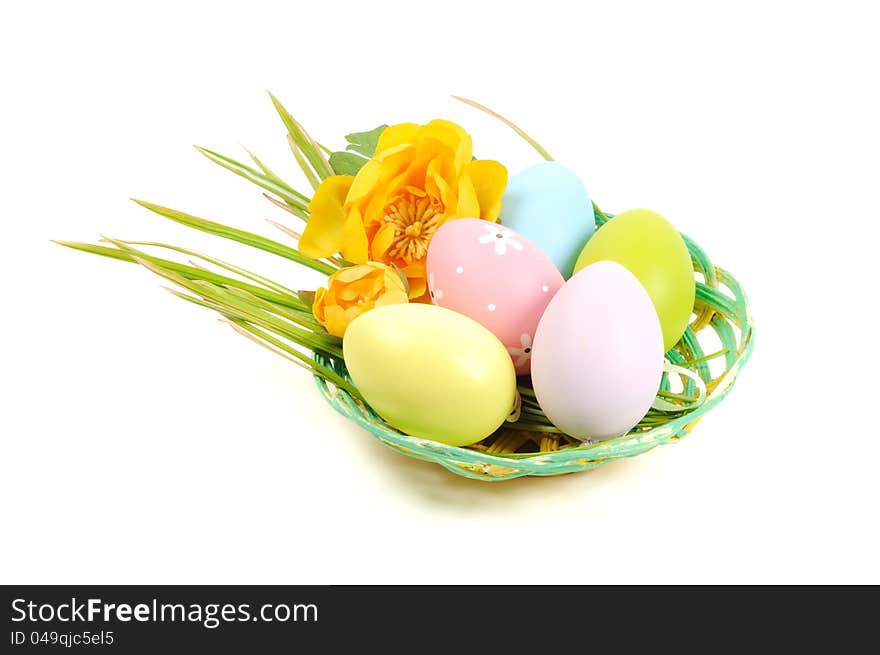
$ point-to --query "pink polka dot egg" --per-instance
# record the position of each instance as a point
(495, 276)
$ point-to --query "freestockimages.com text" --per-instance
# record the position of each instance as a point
(209, 615)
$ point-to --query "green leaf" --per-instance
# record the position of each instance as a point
(362, 146)
(346, 163)
(365, 143)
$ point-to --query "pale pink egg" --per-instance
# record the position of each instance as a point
(496, 277)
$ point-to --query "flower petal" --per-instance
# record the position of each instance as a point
(394, 280)
(388, 153)
(417, 278)
(335, 321)
(468, 202)
(392, 297)
(418, 291)
(324, 232)
(318, 304)
(452, 135)
(352, 273)
(489, 179)
(395, 135)
(382, 242)
(354, 237)
(364, 182)
(437, 185)
(375, 209)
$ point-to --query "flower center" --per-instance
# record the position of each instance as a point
(415, 220)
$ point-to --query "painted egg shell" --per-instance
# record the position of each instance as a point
(549, 205)
(431, 372)
(652, 250)
(495, 276)
(598, 354)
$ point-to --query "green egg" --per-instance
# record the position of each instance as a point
(652, 249)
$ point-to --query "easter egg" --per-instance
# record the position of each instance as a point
(652, 250)
(598, 354)
(431, 372)
(496, 277)
(549, 205)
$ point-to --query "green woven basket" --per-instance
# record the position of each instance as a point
(720, 305)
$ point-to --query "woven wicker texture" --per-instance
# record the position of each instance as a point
(721, 316)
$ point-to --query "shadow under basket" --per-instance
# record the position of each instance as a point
(721, 316)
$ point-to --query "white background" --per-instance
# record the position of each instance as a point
(144, 442)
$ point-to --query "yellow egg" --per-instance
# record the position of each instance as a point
(431, 372)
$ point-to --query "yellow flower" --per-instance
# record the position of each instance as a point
(420, 177)
(354, 290)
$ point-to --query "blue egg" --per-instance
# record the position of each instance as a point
(549, 205)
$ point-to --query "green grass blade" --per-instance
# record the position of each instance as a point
(247, 331)
(268, 172)
(325, 343)
(319, 369)
(525, 137)
(250, 311)
(533, 427)
(241, 309)
(241, 236)
(254, 277)
(189, 272)
(298, 202)
(265, 339)
(302, 318)
(303, 141)
(304, 165)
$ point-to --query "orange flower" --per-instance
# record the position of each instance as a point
(420, 177)
(354, 290)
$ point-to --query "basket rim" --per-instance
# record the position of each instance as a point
(578, 457)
